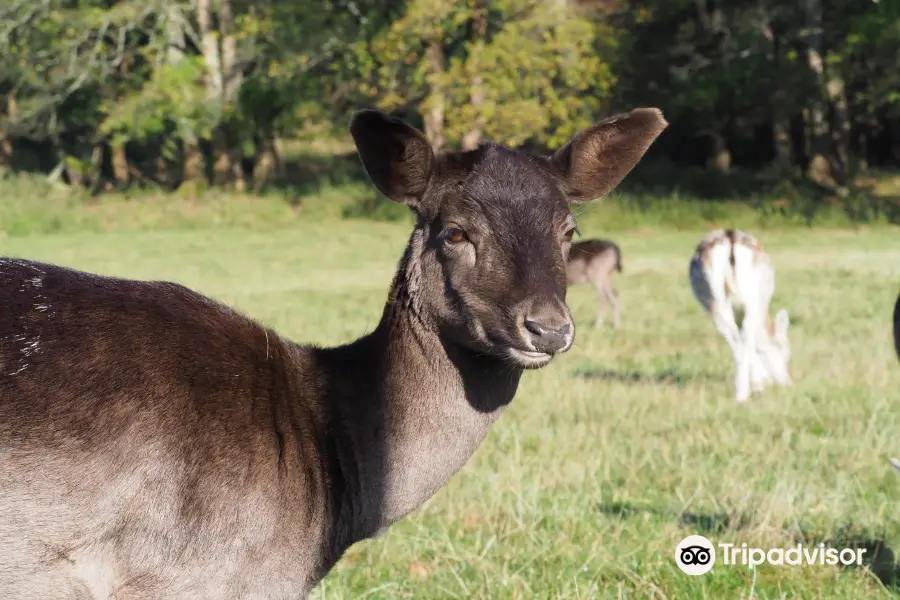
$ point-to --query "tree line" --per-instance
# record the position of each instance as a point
(112, 93)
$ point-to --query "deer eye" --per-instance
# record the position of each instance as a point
(570, 233)
(455, 235)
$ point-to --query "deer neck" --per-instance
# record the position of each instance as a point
(414, 409)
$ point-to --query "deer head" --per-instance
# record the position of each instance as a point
(486, 264)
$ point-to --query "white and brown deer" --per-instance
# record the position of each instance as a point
(730, 272)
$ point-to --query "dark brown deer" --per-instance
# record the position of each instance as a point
(897, 326)
(594, 261)
(157, 444)
(896, 461)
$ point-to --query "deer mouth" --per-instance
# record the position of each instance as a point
(529, 359)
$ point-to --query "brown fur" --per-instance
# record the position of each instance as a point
(730, 236)
(155, 444)
(897, 326)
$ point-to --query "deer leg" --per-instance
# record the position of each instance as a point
(613, 300)
(601, 312)
(759, 375)
(750, 329)
(723, 319)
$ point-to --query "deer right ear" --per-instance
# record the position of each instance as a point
(396, 156)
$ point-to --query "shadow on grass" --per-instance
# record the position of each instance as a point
(667, 376)
(879, 558)
(702, 523)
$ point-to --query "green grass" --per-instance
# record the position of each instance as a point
(620, 448)
(29, 205)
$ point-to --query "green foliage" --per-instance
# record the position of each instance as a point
(542, 76)
(539, 68)
(146, 75)
(173, 94)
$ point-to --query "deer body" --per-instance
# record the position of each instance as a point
(593, 262)
(155, 444)
(730, 272)
(244, 471)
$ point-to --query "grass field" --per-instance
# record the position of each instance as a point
(623, 446)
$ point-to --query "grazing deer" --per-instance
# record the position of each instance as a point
(593, 262)
(729, 270)
(157, 444)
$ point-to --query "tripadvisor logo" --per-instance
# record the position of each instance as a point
(696, 555)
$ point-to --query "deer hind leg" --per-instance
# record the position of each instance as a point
(759, 374)
(601, 311)
(723, 319)
(613, 300)
(750, 328)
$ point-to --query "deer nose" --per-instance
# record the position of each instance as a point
(550, 330)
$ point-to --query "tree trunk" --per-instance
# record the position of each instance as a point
(162, 169)
(781, 123)
(278, 153)
(825, 165)
(175, 34)
(840, 133)
(210, 49)
(478, 95)
(265, 164)
(231, 74)
(119, 163)
(781, 135)
(193, 162)
(863, 141)
(222, 169)
(720, 155)
(237, 174)
(436, 102)
(6, 145)
(6, 151)
(175, 28)
(95, 177)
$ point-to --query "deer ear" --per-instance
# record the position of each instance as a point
(782, 322)
(599, 157)
(396, 156)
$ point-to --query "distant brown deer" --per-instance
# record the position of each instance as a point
(157, 444)
(594, 261)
